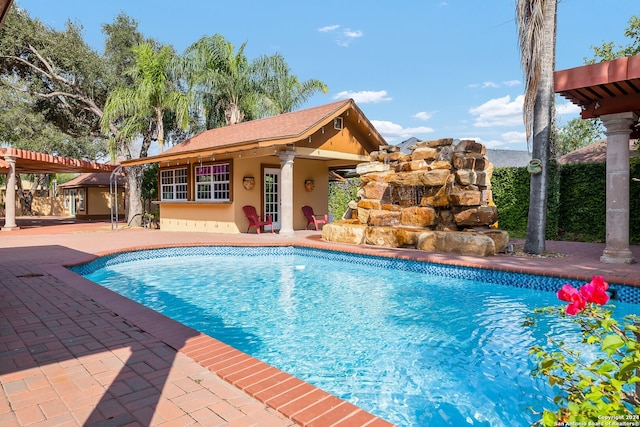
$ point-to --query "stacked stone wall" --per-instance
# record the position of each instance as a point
(441, 187)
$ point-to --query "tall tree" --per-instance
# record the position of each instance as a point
(537, 37)
(577, 133)
(139, 111)
(141, 108)
(224, 84)
(71, 82)
(284, 91)
(608, 51)
(57, 68)
(230, 89)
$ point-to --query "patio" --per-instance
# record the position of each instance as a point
(74, 353)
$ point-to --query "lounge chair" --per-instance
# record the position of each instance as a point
(316, 220)
(256, 220)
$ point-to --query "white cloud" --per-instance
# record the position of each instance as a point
(364, 97)
(567, 108)
(328, 28)
(499, 112)
(423, 115)
(493, 85)
(393, 132)
(514, 137)
(352, 34)
(345, 37)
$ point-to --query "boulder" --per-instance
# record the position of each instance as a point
(463, 243)
(364, 168)
(417, 216)
(500, 238)
(391, 237)
(465, 198)
(347, 231)
(375, 190)
(435, 178)
(481, 215)
(384, 218)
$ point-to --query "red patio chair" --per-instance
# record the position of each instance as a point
(255, 219)
(316, 220)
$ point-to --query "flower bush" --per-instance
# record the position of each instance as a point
(598, 391)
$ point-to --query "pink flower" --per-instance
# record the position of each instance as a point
(596, 290)
(571, 295)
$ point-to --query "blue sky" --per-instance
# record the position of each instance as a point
(424, 68)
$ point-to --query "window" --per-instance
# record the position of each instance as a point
(213, 182)
(173, 184)
(80, 199)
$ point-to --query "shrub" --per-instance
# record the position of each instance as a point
(591, 392)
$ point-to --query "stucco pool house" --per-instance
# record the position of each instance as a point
(277, 164)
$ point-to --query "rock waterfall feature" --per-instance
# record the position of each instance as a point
(438, 198)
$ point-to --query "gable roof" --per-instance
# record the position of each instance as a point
(94, 179)
(280, 130)
(593, 153)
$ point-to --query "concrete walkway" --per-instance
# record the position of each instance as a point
(73, 353)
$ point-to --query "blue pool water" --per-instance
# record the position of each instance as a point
(414, 343)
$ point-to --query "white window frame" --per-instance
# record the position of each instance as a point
(213, 182)
(173, 184)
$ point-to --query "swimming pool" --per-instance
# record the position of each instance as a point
(414, 343)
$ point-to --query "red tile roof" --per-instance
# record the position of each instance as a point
(93, 179)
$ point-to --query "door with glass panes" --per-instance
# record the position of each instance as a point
(271, 180)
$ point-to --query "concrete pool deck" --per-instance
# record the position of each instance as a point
(73, 353)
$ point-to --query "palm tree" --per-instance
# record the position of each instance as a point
(224, 83)
(284, 91)
(537, 37)
(229, 89)
(139, 110)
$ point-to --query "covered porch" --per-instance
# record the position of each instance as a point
(15, 161)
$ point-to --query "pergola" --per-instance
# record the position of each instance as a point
(611, 91)
(14, 161)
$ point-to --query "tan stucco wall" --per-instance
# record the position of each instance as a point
(98, 201)
(318, 199)
(193, 216)
(229, 218)
(47, 206)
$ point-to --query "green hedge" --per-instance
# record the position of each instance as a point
(340, 194)
(576, 201)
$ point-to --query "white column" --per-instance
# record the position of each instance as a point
(10, 197)
(617, 228)
(286, 193)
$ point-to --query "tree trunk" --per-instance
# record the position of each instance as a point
(26, 199)
(543, 113)
(134, 176)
